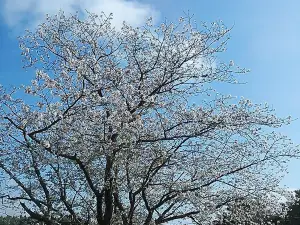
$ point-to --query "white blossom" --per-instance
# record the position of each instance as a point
(110, 132)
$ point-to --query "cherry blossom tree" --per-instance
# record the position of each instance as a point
(107, 133)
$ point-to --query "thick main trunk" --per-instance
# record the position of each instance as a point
(149, 218)
(108, 192)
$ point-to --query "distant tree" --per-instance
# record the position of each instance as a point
(290, 214)
(107, 133)
(14, 220)
(9, 220)
(293, 213)
(248, 215)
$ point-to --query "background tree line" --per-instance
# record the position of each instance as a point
(17, 220)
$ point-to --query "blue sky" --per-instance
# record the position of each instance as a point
(265, 38)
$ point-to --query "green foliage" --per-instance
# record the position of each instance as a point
(12, 220)
(9, 220)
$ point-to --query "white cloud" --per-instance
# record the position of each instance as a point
(18, 13)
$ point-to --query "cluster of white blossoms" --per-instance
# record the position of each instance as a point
(111, 137)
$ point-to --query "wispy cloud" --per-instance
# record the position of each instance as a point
(29, 13)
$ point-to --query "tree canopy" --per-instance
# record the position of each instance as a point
(107, 133)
